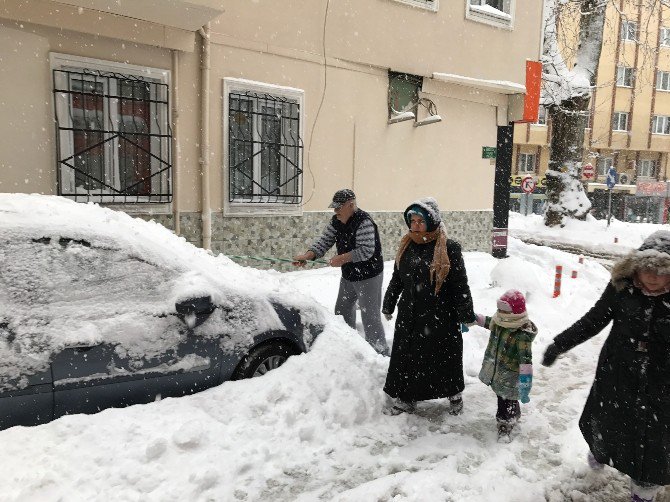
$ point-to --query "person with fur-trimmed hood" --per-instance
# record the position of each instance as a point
(626, 419)
(429, 278)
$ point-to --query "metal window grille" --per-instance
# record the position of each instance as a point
(113, 137)
(264, 148)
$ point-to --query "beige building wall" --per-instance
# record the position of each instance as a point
(337, 53)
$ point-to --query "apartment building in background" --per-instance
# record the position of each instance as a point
(629, 123)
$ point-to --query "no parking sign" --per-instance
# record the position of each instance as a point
(528, 184)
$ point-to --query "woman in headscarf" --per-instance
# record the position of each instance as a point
(429, 277)
(626, 418)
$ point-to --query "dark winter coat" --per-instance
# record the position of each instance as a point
(427, 355)
(345, 241)
(626, 419)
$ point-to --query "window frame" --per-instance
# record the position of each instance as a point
(665, 125)
(477, 15)
(622, 72)
(606, 162)
(651, 167)
(429, 5)
(62, 107)
(542, 116)
(412, 80)
(524, 163)
(664, 36)
(233, 208)
(625, 31)
(618, 121)
(660, 76)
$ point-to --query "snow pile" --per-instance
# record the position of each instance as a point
(313, 429)
(591, 235)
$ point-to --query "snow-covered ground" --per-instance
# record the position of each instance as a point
(591, 235)
(313, 429)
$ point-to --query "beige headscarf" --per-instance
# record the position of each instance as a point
(439, 268)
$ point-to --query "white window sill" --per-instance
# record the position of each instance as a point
(421, 4)
(477, 14)
(662, 90)
(620, 130)
(660, 133)
(252, 209)
(625, 86)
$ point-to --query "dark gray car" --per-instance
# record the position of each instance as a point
(88, 321)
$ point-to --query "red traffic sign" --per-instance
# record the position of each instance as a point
(528, 184)
(588, 172)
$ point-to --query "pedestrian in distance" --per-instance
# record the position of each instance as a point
(626, 418)
(508, 361)
(430, 287)
(354, 234)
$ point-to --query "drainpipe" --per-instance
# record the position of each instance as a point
(204, 138)
(175, 141)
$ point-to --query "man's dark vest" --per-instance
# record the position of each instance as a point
(345, 241)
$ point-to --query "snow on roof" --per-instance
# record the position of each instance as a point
(501, 86)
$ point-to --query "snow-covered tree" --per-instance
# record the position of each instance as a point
(566, 95)
(570, 65)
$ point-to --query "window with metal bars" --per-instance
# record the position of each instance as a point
(113, 136)
(264, 148)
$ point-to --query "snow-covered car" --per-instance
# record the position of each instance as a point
(99, 310)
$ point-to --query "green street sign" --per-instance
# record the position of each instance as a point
(488, 152)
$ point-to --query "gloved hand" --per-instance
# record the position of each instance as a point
(480, 320)
(550, 355)
(525, 383)
(388, 316)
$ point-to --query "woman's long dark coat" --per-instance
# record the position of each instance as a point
(626, 419)
(427, 355)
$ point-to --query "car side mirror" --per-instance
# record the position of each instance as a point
(195, 311)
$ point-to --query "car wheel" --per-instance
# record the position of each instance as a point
(263, 359)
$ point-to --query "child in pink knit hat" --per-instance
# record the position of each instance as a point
(508, 361)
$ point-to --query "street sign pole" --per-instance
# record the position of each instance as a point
(611, 181)
(609, 206)
(503, 171)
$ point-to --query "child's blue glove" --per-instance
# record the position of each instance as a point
(525, 383)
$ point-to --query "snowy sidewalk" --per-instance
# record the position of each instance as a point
(313, 429)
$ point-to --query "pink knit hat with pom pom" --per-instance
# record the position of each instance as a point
(512, 301)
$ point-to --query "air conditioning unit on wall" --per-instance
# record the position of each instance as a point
(623, 178)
